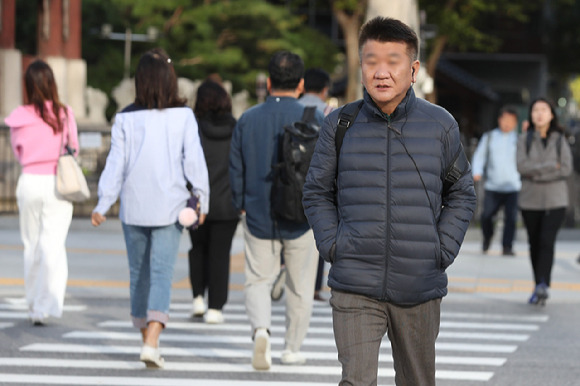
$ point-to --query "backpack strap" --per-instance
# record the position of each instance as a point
(529, 139)
(559, 147)
(308, 114)
(487, 153)
(346, 117)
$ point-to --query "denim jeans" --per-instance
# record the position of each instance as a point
(152, 252)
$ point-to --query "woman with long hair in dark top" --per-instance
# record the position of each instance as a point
(544, 162)
(209, 257)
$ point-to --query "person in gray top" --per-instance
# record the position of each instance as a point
(381, 216)
(544, 161)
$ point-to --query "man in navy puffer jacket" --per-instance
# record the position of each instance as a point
(389, 228)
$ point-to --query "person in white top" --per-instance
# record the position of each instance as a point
(155, 151)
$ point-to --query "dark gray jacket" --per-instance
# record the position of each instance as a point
(391, 234)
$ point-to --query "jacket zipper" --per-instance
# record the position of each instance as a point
(387, 226)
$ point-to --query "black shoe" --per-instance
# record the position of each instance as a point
(508, 252)
(540, 295)
(486, 243)
(578, 260)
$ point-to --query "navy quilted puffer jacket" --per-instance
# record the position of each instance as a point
(391, 233)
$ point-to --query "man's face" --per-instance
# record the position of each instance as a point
(507, 122)
(387, 72)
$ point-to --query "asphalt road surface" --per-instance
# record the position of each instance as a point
(489, 334)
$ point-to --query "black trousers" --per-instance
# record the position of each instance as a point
(492, 202)
(209, 260)
(542, 227)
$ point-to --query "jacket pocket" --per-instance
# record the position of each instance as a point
(338, 245)
(438, 254)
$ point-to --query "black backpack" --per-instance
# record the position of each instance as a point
(297, 144)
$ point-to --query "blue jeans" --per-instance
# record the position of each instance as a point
(152, 252)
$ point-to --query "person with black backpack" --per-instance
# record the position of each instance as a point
(269, 157)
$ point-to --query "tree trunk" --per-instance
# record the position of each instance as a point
(438, 47)
(350, 24)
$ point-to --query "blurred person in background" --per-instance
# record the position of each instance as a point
(155, 151)
(494, 160)
(255, 144)
(544, 161)
(316, 89)
(39, 132)
(209, 256)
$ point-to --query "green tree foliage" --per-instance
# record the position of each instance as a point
(234, 38)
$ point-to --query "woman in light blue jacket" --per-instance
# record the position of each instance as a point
(544, 162)
(155, 150)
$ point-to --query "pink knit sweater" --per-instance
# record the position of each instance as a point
(34, 143)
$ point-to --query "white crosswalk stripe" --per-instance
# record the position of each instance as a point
(316, 330)
(16, 308)
(470, 348)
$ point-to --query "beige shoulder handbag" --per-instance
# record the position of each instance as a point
(71, 183)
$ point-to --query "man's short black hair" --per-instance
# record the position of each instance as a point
(508, 110)
(286, 70)
(386, 29)
(315, 80)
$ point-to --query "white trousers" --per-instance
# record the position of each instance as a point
(262, 268)
(44, 224)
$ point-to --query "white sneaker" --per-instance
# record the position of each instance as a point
(214, 316)
(198, 307)
(261, 359)
(292, 358)
(151, 357)
(279, 285)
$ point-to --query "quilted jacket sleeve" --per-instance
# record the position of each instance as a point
(458, 204)
(318, 199)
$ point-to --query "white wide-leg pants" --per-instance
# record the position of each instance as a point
(44, 224)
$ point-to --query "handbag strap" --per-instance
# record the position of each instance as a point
(62, 148)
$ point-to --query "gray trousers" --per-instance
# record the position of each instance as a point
(262, 267)
(359, 326)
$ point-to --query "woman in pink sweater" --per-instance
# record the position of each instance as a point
(36, 130)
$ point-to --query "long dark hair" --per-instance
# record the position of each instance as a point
(41, 87)
(212, 98)
(554, 124)
(156, 81)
